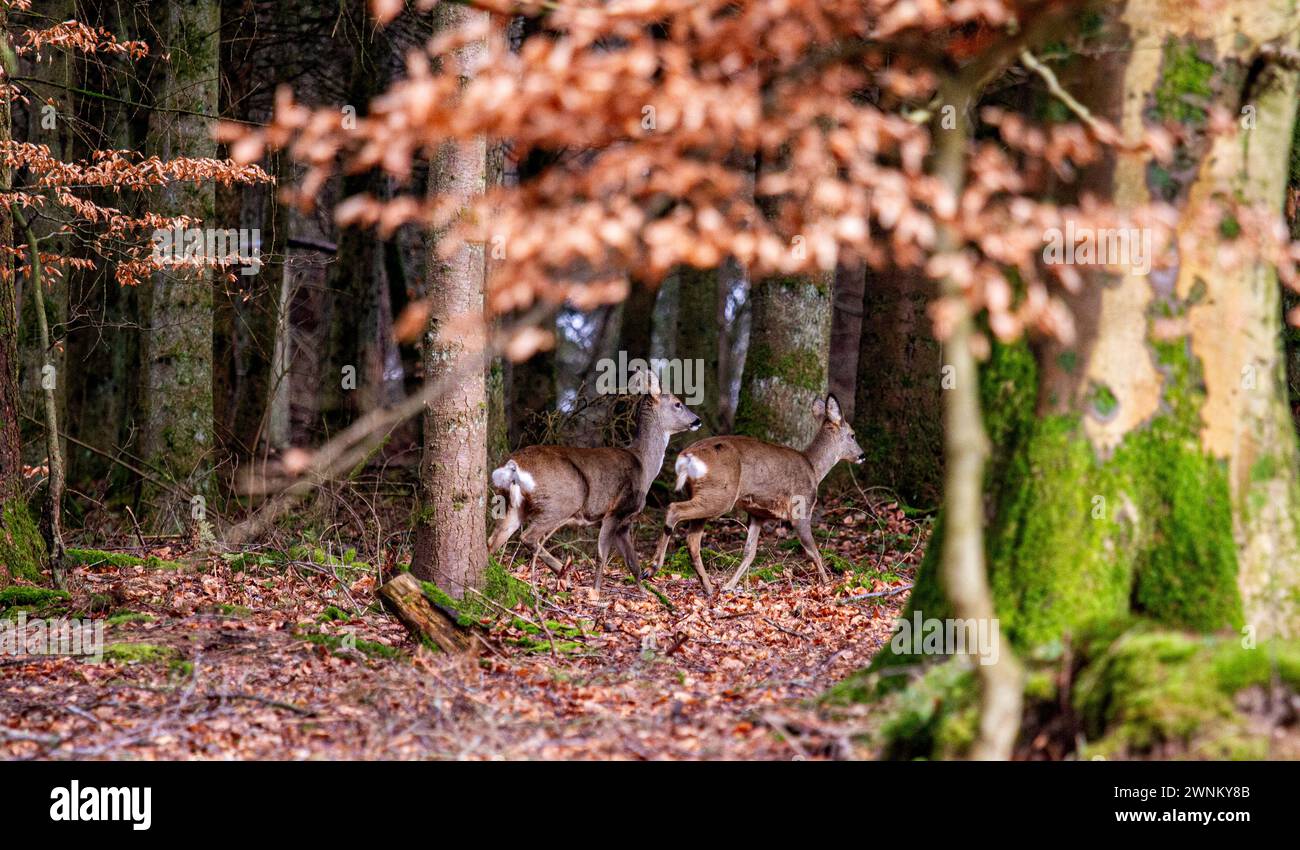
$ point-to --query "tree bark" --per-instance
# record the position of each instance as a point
(898, 413)
(1157, 476)
(22, 552)
(451, 529)
(178, 422)
(786, 364)
(697, 340)
(846, 335)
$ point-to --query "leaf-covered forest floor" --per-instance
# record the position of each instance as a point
(286, 654)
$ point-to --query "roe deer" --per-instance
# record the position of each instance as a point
(548, 487)
(765, 480)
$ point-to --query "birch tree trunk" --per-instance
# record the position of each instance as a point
(451, 528)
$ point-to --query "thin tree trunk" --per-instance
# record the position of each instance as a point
(966, 447)
(49, 383)
(451, 528)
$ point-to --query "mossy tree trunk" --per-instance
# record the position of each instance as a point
(451, 528)
(898, 411)
(1157, 476)
(785, 367)
(22, 551)
(178, 423)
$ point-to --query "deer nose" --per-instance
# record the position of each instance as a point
(695, 426)
(862, 456)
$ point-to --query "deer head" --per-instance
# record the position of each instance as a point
(661, 412)
(835, 440)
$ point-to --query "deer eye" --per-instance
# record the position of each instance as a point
(677, 405)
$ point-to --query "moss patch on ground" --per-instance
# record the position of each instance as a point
(1130, 689)
(99, 558)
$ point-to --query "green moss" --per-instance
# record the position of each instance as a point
(1185, 84)
(139, 653)
(22, 549)
(98, 558)
(499, 586)
(123, 618)
(1148, 689)
(935, 716)
(20, 594)
(339, 642)
(1135, 689)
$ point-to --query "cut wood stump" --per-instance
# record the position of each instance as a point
(405, 598)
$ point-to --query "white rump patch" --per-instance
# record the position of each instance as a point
(525, 480)
(689, 466)
(514, 480)
(501, 475)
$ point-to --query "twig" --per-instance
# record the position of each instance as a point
(893, 591)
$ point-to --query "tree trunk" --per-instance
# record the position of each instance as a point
(697, 342)
(1158, 476)
(898, 412)
(451, 529)
(786, 364)
(357, 316)
(846, 335)
(178, 424)
(22, 552)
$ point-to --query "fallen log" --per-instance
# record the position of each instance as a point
(405, 598)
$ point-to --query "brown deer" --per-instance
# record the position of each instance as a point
(763, 479)
(548, 487)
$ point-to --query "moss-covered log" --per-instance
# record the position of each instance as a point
(406, 598)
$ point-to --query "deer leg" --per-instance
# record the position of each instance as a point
(803, 528)
(506, 526)
(605, 543)
(694, 508)
(694, 534)
(626, 548)
(535, 538)
(751, 549)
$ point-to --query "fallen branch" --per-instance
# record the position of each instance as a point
(404, 596)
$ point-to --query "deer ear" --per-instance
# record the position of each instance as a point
(819, 408)
(833, 410)
(653, 383)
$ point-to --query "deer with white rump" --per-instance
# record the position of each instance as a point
(763, 479)
(548, 487)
